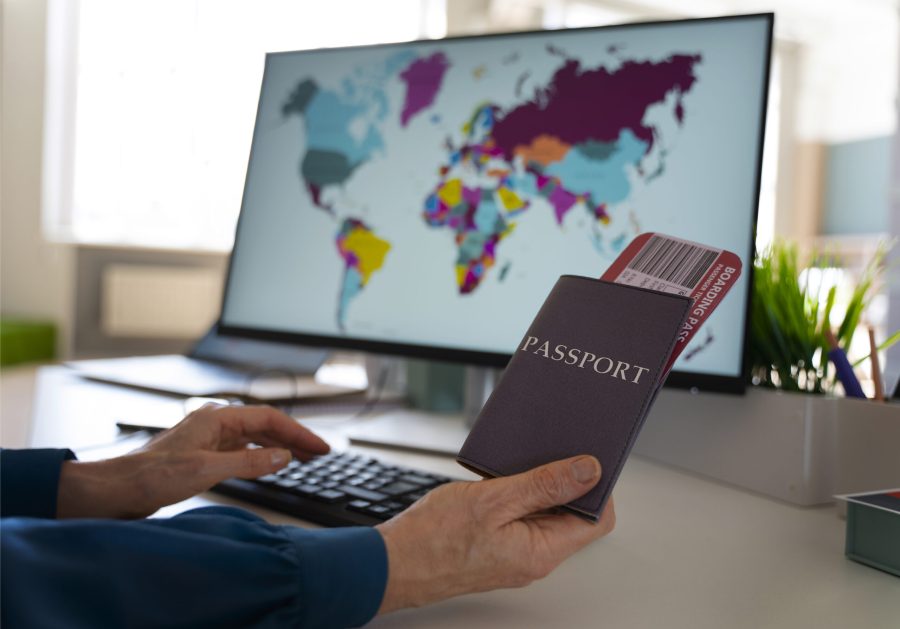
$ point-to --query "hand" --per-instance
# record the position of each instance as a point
(206, 447)
(472, 537)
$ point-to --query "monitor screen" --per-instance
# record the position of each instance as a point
(422, 198)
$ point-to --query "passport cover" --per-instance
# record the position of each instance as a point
(581, 382)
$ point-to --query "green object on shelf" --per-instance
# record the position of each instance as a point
(26, 341)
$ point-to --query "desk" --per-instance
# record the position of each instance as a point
(687, 552)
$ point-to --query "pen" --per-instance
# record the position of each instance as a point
(876, 367)
(842, 367)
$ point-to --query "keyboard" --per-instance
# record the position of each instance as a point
(337, 489)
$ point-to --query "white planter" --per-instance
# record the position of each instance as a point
(868, 446)
(795, 447)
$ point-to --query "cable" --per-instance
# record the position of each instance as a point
(379, 389)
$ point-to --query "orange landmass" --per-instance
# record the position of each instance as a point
(544, 149)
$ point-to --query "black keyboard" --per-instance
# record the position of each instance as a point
(338, 489)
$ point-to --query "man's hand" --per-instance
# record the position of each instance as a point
(472, 537)
(206, 447)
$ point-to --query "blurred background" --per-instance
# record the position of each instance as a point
(126, 126)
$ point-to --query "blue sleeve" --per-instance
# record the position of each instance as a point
(211, 567)
(29, 480)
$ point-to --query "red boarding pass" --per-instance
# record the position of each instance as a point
(673, 265)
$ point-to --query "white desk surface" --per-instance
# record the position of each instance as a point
(686, 552)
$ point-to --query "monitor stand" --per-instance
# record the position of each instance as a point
(425, 432)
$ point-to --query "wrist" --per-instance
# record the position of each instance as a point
(96, 489)
(396, 588)
(417, 574)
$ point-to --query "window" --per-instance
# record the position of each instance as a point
(151, 105)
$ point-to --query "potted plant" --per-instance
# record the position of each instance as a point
(790, 314)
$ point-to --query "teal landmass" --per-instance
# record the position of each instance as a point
(604, 177)
(332, 151)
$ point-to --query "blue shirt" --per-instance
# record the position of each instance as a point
(210, 567)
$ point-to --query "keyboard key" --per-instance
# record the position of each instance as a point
(358, 505)
(330, 496)
(363, 494)
(379, 511)
(288, 483)
(268, 478)
(373, 485)
(331, 484)
(417, 480)
(307, 490)
(397, 488)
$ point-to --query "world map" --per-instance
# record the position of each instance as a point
(567, 147)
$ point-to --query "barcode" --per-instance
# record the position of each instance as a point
(674, 261)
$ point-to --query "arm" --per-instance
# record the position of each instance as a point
(213, 567)
(462, 537)
(223, 567)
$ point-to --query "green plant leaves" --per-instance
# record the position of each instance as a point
(788, 349)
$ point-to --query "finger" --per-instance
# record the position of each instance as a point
(302, 455)
(277, 428)
(246, 463)
(546, 486)
(565, 534)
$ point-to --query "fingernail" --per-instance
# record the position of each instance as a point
(280, 457)
(585, 468)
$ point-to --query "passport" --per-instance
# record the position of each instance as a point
(581, 381)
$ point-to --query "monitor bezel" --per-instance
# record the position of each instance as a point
(677, 378)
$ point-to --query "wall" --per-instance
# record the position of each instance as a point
(857, 175)
(892, 368)
(35, 276)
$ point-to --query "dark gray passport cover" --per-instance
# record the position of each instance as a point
(554, 401)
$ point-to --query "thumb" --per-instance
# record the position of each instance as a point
(549, 485)
(245, 463)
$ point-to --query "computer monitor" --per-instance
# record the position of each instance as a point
(422, 198)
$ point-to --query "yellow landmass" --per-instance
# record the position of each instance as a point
(460, 274)
(511, 201)
(451, 192)
(370, 250)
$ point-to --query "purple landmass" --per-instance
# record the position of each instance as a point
(562, 201)
(472, 196)
(423, 78)
(578, 106)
